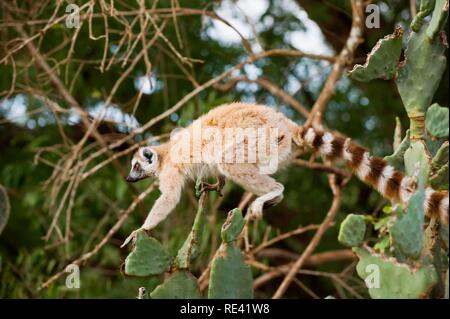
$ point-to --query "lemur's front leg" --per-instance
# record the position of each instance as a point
(170, 184)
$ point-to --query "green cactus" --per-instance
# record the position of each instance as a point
(147, 258)
(352, 230)
(417, 160)
(426, 7)
(4, 208)
(441, 157)
(230, 277)
(388, 279)
(382, 61)
(419, 76)
(397, 158)
(190, 248)
(438, 18)
(407, 231)
(436, 120)
(233, 226)
(439, 180)
(180, 285)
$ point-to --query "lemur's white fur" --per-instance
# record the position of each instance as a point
(163, 161)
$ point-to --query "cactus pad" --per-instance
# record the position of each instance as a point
(436, 121)
(147, 258)
(407, 231)
(233, 226)
(230, 277)
(382, 61)
(180, 285)
(391, 280)
(352, 230)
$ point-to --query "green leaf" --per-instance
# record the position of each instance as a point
(230, 277)
(180, 285)
(383, 244)
(147, 258)
(388, 279)
(436, 120)
(352, 230)
(382, 61)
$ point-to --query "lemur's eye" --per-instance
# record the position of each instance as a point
(136, 167)
(148, 155)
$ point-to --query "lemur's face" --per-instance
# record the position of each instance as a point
(143, 164)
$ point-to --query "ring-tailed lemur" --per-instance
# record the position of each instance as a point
(232, 126)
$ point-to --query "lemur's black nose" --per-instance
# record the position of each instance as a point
(130, 179)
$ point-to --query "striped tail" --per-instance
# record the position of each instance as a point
(375, 171)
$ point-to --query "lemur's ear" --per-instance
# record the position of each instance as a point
(148, 154)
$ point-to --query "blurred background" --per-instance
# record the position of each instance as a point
(128, 62)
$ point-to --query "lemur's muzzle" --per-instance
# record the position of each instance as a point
(130, 179)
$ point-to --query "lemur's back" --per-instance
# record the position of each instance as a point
(245, 133)
(246, 115)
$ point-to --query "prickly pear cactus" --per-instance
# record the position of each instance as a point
(419, 76)
(230, 277)
(406, 232)
(410, 262)
(4, 208)
(352, 230)
(147, 258)
(397, 158)
(180, 285)
(190, 248)
(382, 62)
(436, 121)
(388, 279)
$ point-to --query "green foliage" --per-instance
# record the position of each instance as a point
(352, 230)
(230, 277)
(436, 121)
(180, 285)
(382, 61)
(147, 258)
(4, 208)
(390, 279)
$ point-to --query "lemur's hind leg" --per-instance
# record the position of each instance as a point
(268, 190)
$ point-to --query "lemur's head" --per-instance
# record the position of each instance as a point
(143, 164)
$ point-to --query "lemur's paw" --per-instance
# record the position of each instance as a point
(255, 211)
(217, 187)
